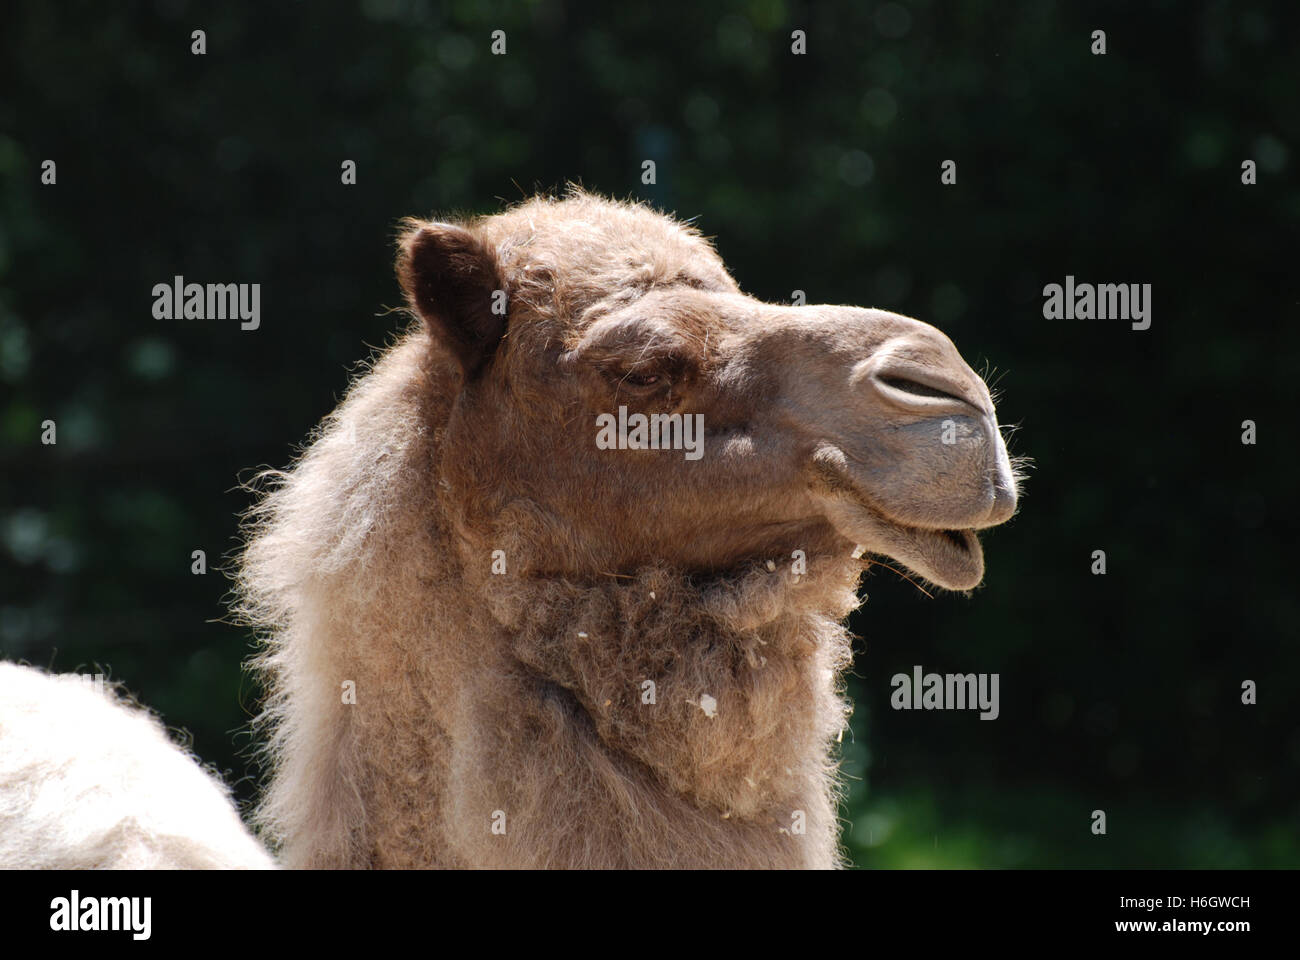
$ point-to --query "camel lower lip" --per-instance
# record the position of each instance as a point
(948, 558)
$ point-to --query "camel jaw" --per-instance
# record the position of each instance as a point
(952, 559)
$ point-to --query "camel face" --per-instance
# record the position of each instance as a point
(764, 429)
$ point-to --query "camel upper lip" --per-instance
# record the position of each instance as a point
(841, 477)
(958, 532)
(959, 537)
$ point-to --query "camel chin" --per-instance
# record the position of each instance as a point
(952, 559)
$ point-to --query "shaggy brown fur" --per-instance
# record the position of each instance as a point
(519, 699)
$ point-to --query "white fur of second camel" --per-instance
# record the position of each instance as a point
(91, 781)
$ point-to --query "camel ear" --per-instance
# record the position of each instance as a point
(450, 277)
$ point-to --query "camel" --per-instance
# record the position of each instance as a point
(89, 780)
(490, 641)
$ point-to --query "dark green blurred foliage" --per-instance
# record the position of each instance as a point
(818, 173)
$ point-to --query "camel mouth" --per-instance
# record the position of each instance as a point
(949, 558)
(961, 539)
(952, 559)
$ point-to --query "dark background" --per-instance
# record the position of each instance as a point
(819, 172)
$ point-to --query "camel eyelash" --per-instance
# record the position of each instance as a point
(646, 373)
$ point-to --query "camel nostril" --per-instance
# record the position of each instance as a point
(919, 389)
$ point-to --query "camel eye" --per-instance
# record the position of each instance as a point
(641, 380)
(646, 374)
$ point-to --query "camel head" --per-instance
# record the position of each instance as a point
(811, 428)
